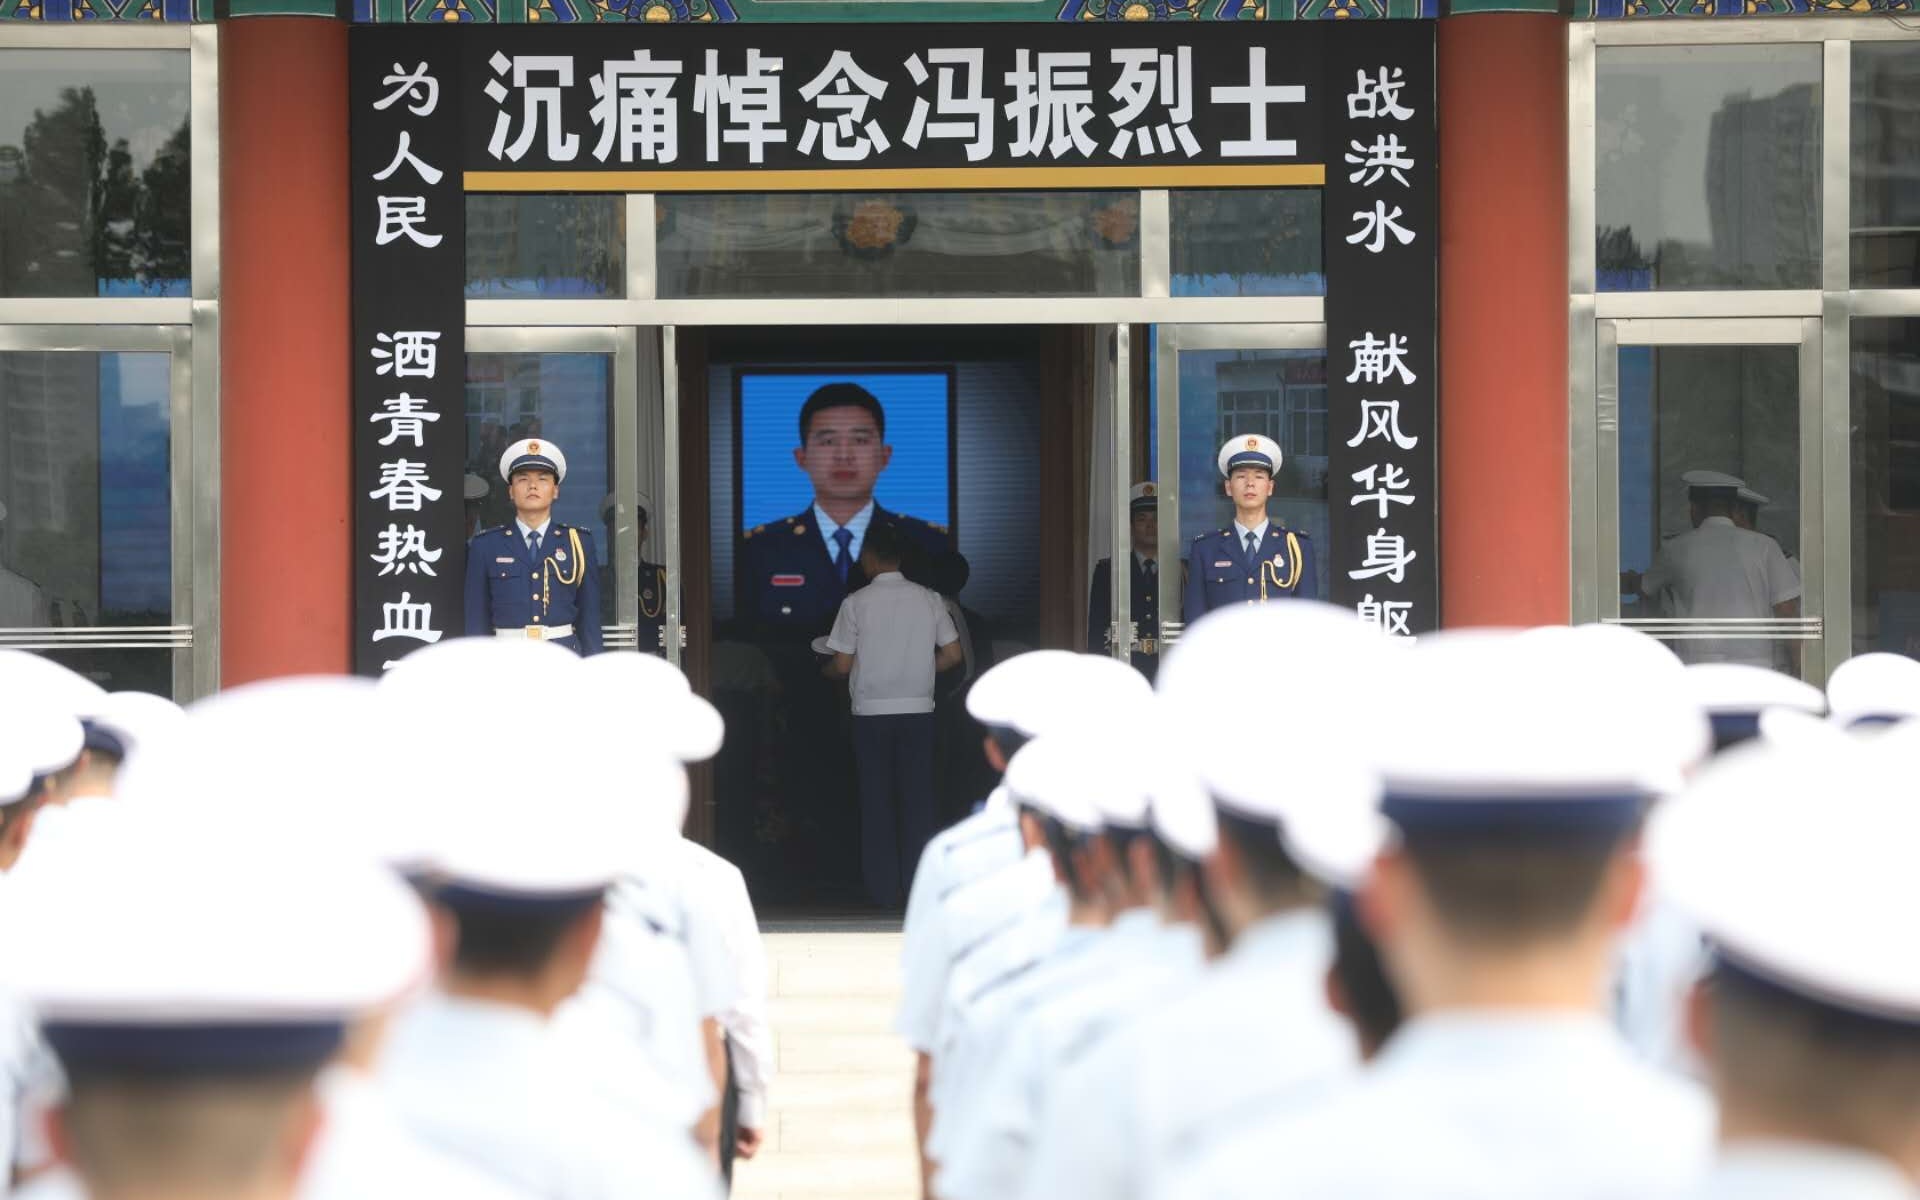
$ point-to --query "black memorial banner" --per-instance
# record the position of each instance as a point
(409, 360)
(938, 107)
(1382, 264)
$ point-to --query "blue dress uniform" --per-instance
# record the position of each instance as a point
(1146, 611)
(788, 583)
(506, 590)
(1219, 573)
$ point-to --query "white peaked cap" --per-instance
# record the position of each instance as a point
(150, 920)
(44, 739)
(468, 667)
(473, 487)
(1477, 721)
(653, 702)
(136, 719)
(578, 802)
(1797, 863)
(1875, 687)
(1021, 692)
(533, 452)
(1791, 727)
(1712, 479)
(47, 683)
(1748, 496)
(1723, 688)
(1181, 812)
(1617, 650)
(1255, 448)
(1102, 693)
(1064, 775)
(15, 776)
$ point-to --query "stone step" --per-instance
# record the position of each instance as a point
(848, 1131)
(845, 1054)
(894, 1177)
(808, 1015)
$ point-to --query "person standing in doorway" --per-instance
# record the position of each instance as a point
(1256, 559)
(892, 637)
(1143, 515)
(534, 578)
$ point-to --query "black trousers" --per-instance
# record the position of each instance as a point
(729, 1119)
(893, 756)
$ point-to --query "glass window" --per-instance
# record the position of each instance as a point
(1729, 409)
(1707, 164)
(94, 169)
(540, 247)
(1886, 172)
(1231, 393)
(1247, 242)
(918, 244)
(1886, 485)
(86, 536)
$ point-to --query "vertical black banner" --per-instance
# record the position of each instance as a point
(409, 359)
(1382, 262)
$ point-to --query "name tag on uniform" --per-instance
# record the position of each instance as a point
(789, 581)
(505, 558)
(1223, 563)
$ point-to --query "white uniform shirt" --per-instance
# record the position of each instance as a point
(1477, 1106)
(1655, 967)
(720, 909)
(1134, 963)
(892, 627)
(1719, 570)
(491, 1085)
(1190, 1068)
(972, 849)
(1803, 1171)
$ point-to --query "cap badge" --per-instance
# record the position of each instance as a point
(534, 447)
(1146, 489)
(1253, 443)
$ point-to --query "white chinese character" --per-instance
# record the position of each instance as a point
(634, 103)
(403, 485)
(1387, 554)
(1389, 616)
(1375, 361)
(1390, 487)
(1385, 157)
(741, 109)
(406, 417)
(1257, 95)
(406, 619)
(406, 155)
(404, 551)
(539, 106)
(963, 101)
(421, 89)
(1376, 225)
(1052, 103)
(847, 136)
(1146, 77)
(413, 353)
(400, 217)
(1378, 96)
(1381, 419)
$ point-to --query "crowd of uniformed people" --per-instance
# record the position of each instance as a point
(1316, 913)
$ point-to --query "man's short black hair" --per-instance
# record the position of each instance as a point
(1274, 878)
(886, 542)
(493, 939)
(1516, 889)
(1372, 1004)
(841, 395)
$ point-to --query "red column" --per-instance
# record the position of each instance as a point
(285, 413)
(1504, 515)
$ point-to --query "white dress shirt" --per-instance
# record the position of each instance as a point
(1133, 964)
(892, 628)
(1252, 1033)
(1719, 570)
(856, 525)
(1482, 1105)
(1757, 1170)
(718, 900)
(1259, 533)
(491, 1085)
(526, 529)
(975, 847)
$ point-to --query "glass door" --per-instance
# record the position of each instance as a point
(1709, 514)
(97, 566)
(1214, 382)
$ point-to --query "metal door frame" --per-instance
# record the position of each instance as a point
(623, 435)
(1170, 342)
(1600, 549)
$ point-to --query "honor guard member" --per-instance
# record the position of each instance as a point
(535, 578)
(653, 576)
(1797, 863)
(1516, 804)
(1144, 515)
(1254, 559)
(192, 996)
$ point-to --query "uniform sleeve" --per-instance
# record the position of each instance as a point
(1783, 582)
(944, 634)
(1309, 572)
(479, 619)
(1195, 605)
(845, 628)
(1099, 606)
(587, 625)
(749, 1033)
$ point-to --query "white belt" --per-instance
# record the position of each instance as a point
(538, 633)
